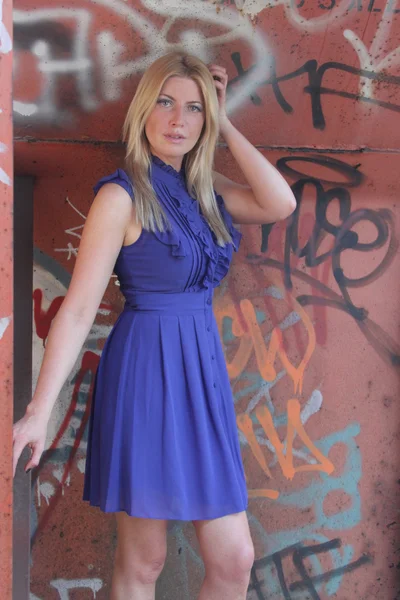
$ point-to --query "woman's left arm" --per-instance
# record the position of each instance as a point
(267, 197)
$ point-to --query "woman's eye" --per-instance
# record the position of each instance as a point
(163, 102)
(195, 108)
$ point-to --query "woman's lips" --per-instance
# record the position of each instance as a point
(174, 139)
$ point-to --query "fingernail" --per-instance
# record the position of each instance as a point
(27, 471)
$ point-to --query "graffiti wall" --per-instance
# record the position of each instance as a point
(309, 315)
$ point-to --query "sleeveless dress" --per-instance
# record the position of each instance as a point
(162, 437)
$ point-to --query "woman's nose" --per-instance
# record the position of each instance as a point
(177, 117)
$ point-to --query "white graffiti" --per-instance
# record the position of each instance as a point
(4, 323)
(311, 407)
(59, 474)
(81, 464)
(24, 108)
(79, 64)
(73, 231)
(114, 72)
(63, 586)
(46, 490)
(5, 39)
(4, 178)
(191, 40)
(370, 60)
(76, 231)
(253, 8)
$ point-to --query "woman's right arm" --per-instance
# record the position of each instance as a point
(109, 217)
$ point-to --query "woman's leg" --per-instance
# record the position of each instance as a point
(228, 555)
(139, 557)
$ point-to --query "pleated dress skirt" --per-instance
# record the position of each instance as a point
(163, 440)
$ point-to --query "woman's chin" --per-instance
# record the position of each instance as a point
(174, 150)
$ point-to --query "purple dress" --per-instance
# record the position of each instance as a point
(163, 441)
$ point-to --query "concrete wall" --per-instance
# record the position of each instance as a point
(309, 314)
(6, 299)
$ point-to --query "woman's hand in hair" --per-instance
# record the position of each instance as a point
(220, 77)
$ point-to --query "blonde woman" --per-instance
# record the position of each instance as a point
(163, 442)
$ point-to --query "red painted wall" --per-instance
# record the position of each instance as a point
(309, 314)
(6, 298)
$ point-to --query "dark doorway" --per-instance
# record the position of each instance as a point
(23, 284)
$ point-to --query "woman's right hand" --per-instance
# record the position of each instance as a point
(29, 431)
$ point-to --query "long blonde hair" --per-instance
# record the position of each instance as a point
(198, 162)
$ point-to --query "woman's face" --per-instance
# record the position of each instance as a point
(176, 122)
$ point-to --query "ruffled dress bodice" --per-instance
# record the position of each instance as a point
(186, 258)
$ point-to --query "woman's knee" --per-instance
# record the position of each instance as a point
(148, 571)
(142, 566)
(141, 549)
(234, 565)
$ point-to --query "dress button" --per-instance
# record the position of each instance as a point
(215, 385)
(209, 301)
(212, 357)
(208, 328)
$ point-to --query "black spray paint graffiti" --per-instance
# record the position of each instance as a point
(315, 88)
(359, 5)
(344, 238)
(308, 583)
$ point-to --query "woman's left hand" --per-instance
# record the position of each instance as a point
(221, 81)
